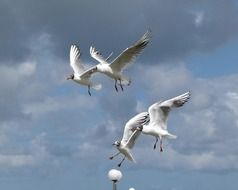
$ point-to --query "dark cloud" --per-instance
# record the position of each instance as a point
(179, 28)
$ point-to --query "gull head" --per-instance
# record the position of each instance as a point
(116, 143)
(70, 77)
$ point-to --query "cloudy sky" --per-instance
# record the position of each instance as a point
(54, 136)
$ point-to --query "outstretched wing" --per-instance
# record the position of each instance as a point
(130, 134)
(129, 55)
(159, 111)
(88, 73)
(74, 56)
(97, 55)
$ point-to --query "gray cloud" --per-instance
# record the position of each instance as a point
(206, 126)
(203, 135)
(179, 28)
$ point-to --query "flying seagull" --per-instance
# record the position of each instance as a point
(129, 136)
(127, 57)
(81, 75)
(158, 116)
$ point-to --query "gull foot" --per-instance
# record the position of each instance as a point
(154, 146)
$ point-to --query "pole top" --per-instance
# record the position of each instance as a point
(114, 175)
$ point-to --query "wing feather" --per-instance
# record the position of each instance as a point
(88, 73)
(129, 55)
(131, 141)
(74, 56)
(97, 55)
(159, 111)
(137, 121)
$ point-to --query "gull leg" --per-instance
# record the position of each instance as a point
(121, 85)
(89, 90)
(119, 165)
(155, 143)
(161, 145)
(111, 157)
(116, 85)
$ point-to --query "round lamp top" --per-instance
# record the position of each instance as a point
(114, 175)
(132, 188)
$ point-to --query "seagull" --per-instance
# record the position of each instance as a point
(81, 75)
(127, 57)
(129, 137)
(158, 116)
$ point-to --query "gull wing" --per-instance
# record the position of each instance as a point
(130, 134)
(88, 73)
(97, 55)
(74, 56)
(131, 141)
(129, 55)
(159, 111)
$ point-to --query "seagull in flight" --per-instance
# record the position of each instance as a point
(158, 116)
(81, 75)
(127, 57)
(129, 136)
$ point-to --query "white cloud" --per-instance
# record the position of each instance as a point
(33, 154)
(172, 159)
(205, 126)
(27, 69)
(163, 79)
(16, 160)
(56, 104)
(14, 75)
(198, 19)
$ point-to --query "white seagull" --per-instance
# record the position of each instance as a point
(81, 75)
(158, 116)
(115, 68)
(129, 137)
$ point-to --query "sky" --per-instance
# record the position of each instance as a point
(53, 135)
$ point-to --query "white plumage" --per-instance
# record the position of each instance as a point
(129, 136)
(158, 115)
(81, 75)
(115, 68)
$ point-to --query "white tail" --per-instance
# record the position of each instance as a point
(171, 136)
(125, 81)
(130, 157)
(96, 86)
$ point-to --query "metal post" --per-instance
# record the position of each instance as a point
(114, 185)
(115, 176)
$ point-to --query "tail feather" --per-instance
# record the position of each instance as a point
(96, 86)
(125, 81)
(130, 157)
(171, 136)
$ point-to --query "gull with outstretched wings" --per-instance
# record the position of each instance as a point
(130, 135)
(158, 116)
(127, 57)
(81, 75)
